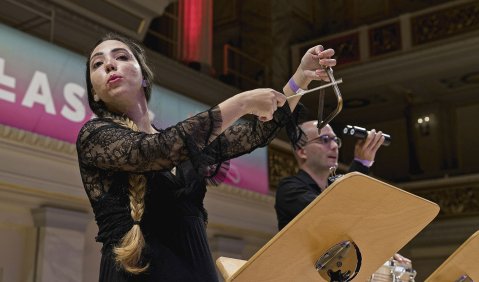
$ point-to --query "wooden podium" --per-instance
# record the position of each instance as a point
(376, 217)
(461, 265)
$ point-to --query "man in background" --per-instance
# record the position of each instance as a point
(317, 156)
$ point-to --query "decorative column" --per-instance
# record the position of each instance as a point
(60, 244)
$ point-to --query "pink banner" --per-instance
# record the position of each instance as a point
(42, 90)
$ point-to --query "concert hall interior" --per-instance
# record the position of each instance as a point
(408, 67)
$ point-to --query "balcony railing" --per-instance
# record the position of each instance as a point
(162, 35)
(457, 196)
(396, 35)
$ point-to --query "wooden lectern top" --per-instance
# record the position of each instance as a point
(465, 260)
(378, 217)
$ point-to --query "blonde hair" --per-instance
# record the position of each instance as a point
(128, 251)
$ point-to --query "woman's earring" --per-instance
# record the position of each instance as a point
(144, 83)
(96, 98)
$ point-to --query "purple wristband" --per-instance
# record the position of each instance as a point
(292, 84)
(365, 163)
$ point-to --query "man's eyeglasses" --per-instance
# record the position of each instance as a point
(325, 140)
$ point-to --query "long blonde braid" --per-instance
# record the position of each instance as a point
(128, 252)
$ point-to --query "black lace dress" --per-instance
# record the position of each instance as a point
(174, 220)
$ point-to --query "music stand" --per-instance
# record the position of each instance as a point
(462, 265)
(358, 222)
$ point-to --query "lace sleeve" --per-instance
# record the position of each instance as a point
(107, 145)
(247, 135)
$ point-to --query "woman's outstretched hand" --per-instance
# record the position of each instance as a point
(263, 102)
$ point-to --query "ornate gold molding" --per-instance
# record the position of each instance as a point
(454, 201)
(385, 39)
(445, 23)
(18, 136)
(457, 196)
(281, 163)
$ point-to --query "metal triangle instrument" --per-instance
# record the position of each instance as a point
(315, 89)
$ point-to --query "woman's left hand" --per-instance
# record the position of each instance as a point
(314, 61)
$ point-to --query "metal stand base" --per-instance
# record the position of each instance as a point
(340, 263)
